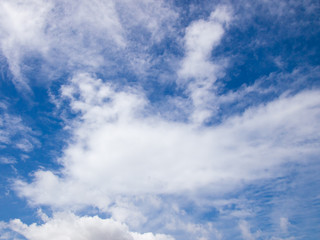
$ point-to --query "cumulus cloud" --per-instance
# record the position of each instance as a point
(69, 226)
(119, 148)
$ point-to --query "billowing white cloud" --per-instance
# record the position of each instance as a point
(69, 226)
(119, 148)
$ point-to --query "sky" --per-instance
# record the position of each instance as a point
(159, 120)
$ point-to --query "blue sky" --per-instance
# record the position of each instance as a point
(159, 120)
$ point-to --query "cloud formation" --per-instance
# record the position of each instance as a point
(14, 133)
(66, 36)
(69, 226)
(194, 120)
(197, 70)
(118, 149)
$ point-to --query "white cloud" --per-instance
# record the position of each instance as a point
(125, 211)
(200, 38)
(15, 133)
(155, 17)
(22, 25)
(24, 145)
(8, 160)
(197, 70)
(68, 35)
(118, 148)
(245, 231)
(62, 33)
(69, 226)
(284, 224)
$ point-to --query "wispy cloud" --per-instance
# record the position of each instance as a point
(245, 231)
(14, 133)
(7, 160)
(197, 70)
(72, 35)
